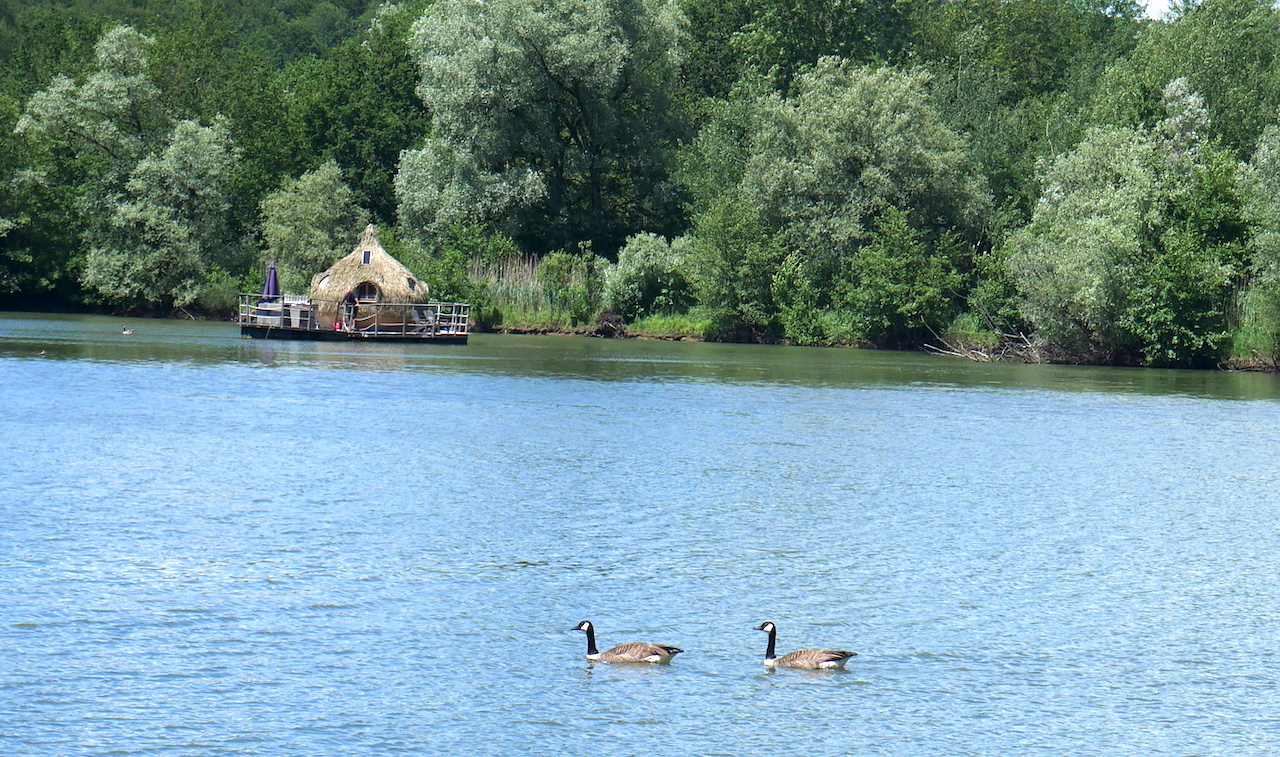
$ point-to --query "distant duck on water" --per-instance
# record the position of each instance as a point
(630, 652)
(806, 659)
(125, 330)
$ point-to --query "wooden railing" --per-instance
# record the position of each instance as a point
(364, 319)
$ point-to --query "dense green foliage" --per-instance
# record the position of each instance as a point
(648, 279)
(307, 223)
(873, 172)
(551, 120)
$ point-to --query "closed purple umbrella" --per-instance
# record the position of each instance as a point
(272, 289)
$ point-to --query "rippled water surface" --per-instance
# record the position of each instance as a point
(217, 546)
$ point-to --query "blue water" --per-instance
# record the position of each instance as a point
(217, 546)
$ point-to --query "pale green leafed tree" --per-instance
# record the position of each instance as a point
(851, 142)
(310, 223)
(114, 113)
(1135, 252)
(1073, 261)
(647, 279)
(551, 119)
(92, 133)
(169, 225)
(440, 186)
(1186, 125)
(1260, 182)
(150, 194)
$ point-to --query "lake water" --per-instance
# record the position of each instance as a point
(217, 546)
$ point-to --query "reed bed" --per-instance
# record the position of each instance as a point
(510, 283)
(515, 295)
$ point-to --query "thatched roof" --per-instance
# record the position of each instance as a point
(368, 263)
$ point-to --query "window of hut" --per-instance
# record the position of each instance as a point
(413, 285)
(324, 281)
(368, 255)
(367, 292)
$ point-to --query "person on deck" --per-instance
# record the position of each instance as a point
(349, 306)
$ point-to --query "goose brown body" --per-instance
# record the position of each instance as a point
(630, 652)
(637, 652)
(805, 659)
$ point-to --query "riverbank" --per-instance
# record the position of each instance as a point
(1019, 349)
(595, 331)
(606, 327)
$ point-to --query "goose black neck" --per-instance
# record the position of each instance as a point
(591, 640)
(770, 653)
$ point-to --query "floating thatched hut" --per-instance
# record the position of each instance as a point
(369, 273)
(386, 303)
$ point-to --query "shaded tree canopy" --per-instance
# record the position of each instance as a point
(555, 116)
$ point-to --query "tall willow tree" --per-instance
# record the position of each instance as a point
(551, 119)
(851, 142)
(819, 171)
(149, 197)
(92, 132)
(170, 225)
(83, 136)
(1073, 262)
(1137, 245)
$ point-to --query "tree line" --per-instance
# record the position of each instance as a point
(1097, 185)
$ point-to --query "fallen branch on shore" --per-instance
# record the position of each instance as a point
(1012, 348)
(1255, 363)
(978, 356)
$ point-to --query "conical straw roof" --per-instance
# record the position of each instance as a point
(368, 263)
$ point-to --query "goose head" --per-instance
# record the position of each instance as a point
(767, 627)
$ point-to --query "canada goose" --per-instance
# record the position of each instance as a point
(809, 659)
(632, 652)
(125, 330)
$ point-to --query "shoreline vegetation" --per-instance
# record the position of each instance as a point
(1021, 180)
(1011, 348)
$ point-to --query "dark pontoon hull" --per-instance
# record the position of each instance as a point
(323, 335)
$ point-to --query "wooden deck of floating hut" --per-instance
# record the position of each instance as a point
(366, 295)
(291, 317)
